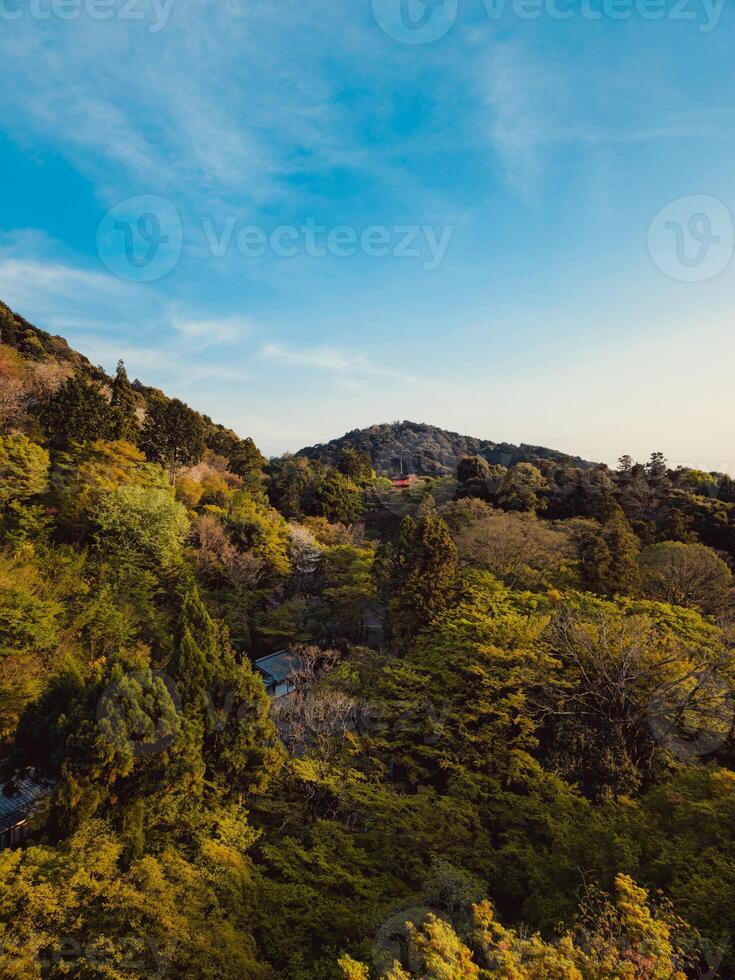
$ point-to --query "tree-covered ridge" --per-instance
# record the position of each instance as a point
(427, 450)
(508, 748)
(35, 344)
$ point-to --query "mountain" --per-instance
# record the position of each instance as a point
(428, 450)
(416, 446)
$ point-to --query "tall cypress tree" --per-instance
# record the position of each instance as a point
(226, 702)
(423, 575)
(195, 660)
(122, 402)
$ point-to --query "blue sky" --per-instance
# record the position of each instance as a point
(540, 149)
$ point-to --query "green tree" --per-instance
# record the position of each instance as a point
(141, 526)
(82, 477)
(24, 469)
(623, 938)
(522, 488)
(479, 479)
(255, 527)
(195, 660)
(123, 405)
(298, 487)
(726, 490)
(85, 909)
(288, 480)
(31, 622)
(609, 557)
(173, 435)
(657, 467)
(356, 465)
(32, 347)
(247, 462)
(335, 497)
(349, 588)
(687, 575)
(240, 749)
(437, 952)
(424, 572)
(473, 468)
(77, 413)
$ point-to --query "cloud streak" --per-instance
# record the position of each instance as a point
(330, 359)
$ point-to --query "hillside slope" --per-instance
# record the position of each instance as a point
(33, 363)
(428, 450)
(34, 344)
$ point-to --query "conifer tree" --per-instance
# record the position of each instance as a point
(223, 698)
(173, 435)
(609, 557)
(195, 660)
(423, 573)
(122, 402)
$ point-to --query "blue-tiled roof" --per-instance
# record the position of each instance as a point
(13, 808)
(280, 665)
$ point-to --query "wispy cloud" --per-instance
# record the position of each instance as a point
(715, 124)
(156, 339)
(330, 359)
(188, 110)
(24, 279)
(211, 331)
(532, 105)
(517, 126)
(40, 278)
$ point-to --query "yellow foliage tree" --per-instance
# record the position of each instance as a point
(627, 942)
(81, 481)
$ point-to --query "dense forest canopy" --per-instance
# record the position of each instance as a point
(414, 447)
(507, 750)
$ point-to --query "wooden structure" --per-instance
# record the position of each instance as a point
(277, 670)
(16, 807)
(405, 481)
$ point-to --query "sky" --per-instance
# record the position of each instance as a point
(509, 218)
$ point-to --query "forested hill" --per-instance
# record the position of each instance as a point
(36, 365)
(428, 450)
(37, 345)
(507, 747)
